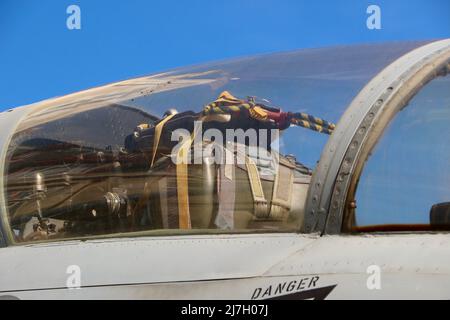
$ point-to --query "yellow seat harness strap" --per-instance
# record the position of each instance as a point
(259, 200)
(182, 175)
(158, 130)
(282, 190)
(184, 216)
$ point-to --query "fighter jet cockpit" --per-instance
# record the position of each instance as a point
(236, 146)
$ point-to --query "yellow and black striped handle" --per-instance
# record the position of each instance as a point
(315, 120)
(311, 126)
(228, 104)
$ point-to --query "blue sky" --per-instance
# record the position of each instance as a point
(41, 58)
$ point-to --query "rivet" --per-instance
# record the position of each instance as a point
(335, 204)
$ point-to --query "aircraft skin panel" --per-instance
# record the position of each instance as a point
(331, 267)
(396, 285)
(410, 253)
(146, 260)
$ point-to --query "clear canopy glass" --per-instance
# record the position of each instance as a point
(70, 172)
(408, 172)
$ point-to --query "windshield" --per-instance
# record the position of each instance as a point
(105, 161)
(408, 172)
